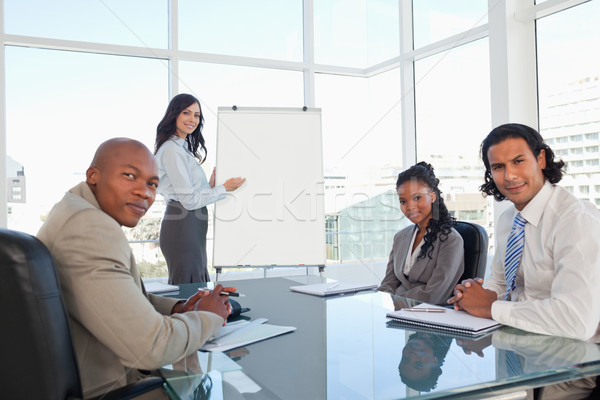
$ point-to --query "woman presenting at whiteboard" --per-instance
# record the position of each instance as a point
(179, 151)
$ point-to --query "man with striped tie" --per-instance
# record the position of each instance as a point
(546, 269)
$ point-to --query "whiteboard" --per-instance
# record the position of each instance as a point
(277, 216)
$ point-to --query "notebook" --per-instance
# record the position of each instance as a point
(332, 288)
(396, 324)
(241, 333)
(159, 287)
(449, 320)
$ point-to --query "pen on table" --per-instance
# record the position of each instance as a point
(333, 286)
(432, 310)
(223, 292)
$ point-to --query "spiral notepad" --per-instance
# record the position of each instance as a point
(396, 324)
(450, 320)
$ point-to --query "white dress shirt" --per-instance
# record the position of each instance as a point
(181, 177)
(558, 279)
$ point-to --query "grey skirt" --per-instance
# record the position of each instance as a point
(183, 243)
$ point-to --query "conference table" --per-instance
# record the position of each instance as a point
(344, 348)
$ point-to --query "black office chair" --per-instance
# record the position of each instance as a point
(475, 240)
(38, 360)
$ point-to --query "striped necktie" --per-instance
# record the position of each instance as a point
(513, 364)
(514, 249)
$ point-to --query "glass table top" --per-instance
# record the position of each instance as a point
(343, 347)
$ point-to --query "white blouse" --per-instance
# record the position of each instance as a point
(412, 257)
(181, 177)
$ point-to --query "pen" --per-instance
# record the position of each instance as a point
(433, 310)
(224, 293)
(333, 286)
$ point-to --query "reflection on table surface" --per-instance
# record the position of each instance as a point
(345, 347)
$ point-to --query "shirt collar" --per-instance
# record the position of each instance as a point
(178, 140)
(534, 210)
(181, 142)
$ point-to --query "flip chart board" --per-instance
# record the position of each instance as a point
(277, 216)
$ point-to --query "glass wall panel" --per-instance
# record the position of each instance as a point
(438, 19)
(261, 28)
(133, 22)
(60, 106)
(362, 156)
(569, 93)
(453, 115)
(356, 33)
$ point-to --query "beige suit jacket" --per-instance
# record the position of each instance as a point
(116, 328)
(430, 279)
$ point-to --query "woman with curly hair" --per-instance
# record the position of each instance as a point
(427, 258)
(179, 151)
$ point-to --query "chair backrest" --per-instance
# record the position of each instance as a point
(475, 240)
(35, 340)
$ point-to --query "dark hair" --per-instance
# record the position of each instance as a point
(553, 171)
(166, 127)
(442, 221)
(440, 346)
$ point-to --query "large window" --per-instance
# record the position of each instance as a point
(133, 22)
(453, 102)
(362, 154)
(217, 85)
(453, 115)
(355, 33)
(259, 28)
(436, 20)
(569, 92)
(61, 105)
(361, 122)
(79, 72)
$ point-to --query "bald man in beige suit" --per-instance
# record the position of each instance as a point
(117, 328)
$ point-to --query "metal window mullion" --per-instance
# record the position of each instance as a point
(308, 46)
(407, 85)
(173, 60)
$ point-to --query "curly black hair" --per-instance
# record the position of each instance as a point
(442, 222)
(166, 127)
(553, 171)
